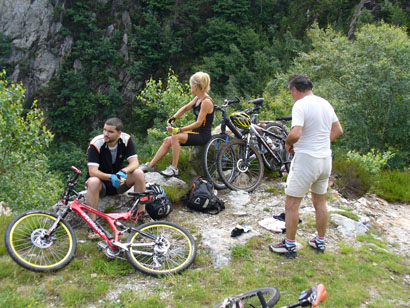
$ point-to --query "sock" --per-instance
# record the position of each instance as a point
(289, 243)
(320, 240)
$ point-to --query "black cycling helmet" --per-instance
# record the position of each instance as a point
(240, 119)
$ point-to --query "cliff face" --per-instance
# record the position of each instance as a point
(37, 46)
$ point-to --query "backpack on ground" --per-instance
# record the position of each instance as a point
(201, 197)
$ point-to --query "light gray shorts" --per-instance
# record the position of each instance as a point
(308, 172)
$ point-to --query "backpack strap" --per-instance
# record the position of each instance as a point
(192, 188)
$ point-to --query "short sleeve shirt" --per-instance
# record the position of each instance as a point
(316, 115)
(99, 154)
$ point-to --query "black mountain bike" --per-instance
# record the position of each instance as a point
(279, 129)
(215, 144)
(267, 297)
(240, 162)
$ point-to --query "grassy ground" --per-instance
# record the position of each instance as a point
(368, 275)
(365, 276)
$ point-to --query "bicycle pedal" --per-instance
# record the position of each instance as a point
(102, 245)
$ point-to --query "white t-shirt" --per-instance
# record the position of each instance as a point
(316, 115)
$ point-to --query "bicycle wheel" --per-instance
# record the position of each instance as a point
(271, 296)
(159, 248)
(29, 245)
(210, 155)
(268, 160)
(234, 172)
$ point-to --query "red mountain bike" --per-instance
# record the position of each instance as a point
(42, 241)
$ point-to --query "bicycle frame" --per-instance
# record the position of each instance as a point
(113, 219)
(256, 130)
(227, 121)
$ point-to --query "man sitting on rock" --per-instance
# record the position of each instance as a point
(106, 172)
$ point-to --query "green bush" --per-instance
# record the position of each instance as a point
(355, 177)
(352, 178)
(4, 221)
(373, 162)
(64, 155)
(25, 182)
(393, 186)
(366, 80)
(30, 186)
(160, 100)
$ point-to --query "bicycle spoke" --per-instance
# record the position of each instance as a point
(30, 246)
(241, 172)
(173, 249)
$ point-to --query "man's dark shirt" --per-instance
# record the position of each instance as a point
(99, 154)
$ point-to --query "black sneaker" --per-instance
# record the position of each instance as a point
(281, 248)
(318, 246)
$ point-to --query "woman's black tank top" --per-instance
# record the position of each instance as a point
(206, 126)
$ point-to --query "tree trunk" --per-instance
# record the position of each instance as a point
(356, 15)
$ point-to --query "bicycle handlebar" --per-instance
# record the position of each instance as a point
(313, 296)
(258, 102)
(227, 102)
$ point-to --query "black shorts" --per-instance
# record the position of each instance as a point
(197, 139)
(108, 189)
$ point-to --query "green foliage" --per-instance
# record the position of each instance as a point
(23, 136)
(87, 90)
(4, 221)
(348, 214)
(392, 12)
(352, 179)
(393, 186)
(30, 186)
(175, 193)
(358, 174)
(25, 181)
(366, 80)
(5, 50)
(372, 162)
(64, 155)
(279, 105)
(159, 101)
(154, 44)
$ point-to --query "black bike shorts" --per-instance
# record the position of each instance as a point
(195, 138)
(108, 189)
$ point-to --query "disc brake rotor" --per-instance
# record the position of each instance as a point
(39, 238)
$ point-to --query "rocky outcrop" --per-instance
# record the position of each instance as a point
(37, 46)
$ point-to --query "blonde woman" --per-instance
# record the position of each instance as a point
(197, 133)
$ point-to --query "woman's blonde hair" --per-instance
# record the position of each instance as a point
(202, 80)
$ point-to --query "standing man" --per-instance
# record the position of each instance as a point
(314, 126)
(106, 172)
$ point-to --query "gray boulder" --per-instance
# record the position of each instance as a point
(348, 227)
